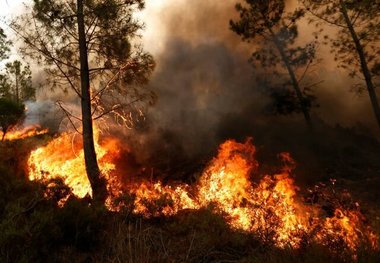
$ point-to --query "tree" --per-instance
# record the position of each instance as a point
(11, 113)
(4, 45)
(17, 82)
(4, 49)
(275, 32)
(356, 43)
(5, 86)
(86, 48)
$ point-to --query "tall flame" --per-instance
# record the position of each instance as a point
(270, 208)
(63, 158)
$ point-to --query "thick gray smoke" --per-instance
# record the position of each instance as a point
(207, 91)
(196, 87)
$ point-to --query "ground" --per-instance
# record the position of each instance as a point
(34, 229)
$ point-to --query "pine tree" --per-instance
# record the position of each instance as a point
(274, 33)
(86, 47)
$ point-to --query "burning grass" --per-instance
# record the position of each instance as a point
(26, 132)
(269, 207)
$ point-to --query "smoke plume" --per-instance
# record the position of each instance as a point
(207, 91)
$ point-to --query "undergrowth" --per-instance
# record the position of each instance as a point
(33, 228)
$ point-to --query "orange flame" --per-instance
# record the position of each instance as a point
(29, 131)
(63, 158)
(270, 209)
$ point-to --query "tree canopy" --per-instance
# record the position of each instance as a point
(89, 47)
(118, 66)
(274, 32)
(356, 42)
(16, 82)
(4, 45)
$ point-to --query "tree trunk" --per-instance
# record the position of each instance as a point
(17, 88)
(293, 78)
(98, 185)
(363, 63)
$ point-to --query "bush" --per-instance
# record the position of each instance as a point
(11, 113)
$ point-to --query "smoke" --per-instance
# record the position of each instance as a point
(196, 85)
(202, 75)
(207, 91)
(44, 113)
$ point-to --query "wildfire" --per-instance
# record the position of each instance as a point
(63, 158)
(269, 209)
(29, 131)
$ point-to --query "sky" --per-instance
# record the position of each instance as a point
(9, 7)
(150, 16)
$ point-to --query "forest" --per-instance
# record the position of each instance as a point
(190, 131)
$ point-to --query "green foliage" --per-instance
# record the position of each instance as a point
(11, 113)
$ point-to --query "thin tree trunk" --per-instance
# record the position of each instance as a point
(17, 88)
(98, 185)
(293, 78)
(363, 63)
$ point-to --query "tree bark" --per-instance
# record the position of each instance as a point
(363, 63)
(98, 185)
(293, 78)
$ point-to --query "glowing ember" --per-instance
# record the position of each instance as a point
(159, 199)
(26, 132)
(269, 209)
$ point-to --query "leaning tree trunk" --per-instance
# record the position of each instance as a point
(294, 80)
(363, 63)
(98, 185)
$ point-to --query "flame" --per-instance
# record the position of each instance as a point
(270, 209)
(226, 184)
(29, 131)
(63, 158)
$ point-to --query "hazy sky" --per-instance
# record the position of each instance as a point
(154, 10)
(192, 25)
(10, 6)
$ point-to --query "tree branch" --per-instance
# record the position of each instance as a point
(69, 115)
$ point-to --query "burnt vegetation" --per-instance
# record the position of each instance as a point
(192, 160)
(34, 228)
